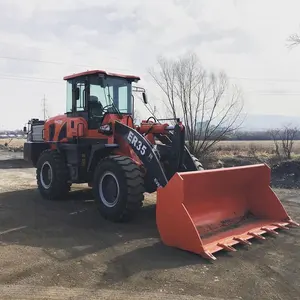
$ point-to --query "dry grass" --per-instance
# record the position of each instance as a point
(246, 148)
(13, 143)
(224, 149)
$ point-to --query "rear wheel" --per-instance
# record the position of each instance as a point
(118, 188)
(52, 175)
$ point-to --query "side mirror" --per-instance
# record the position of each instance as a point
(145, 98)
(24, 129)
(77, 93)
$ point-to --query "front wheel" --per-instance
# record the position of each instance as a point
(118, 187)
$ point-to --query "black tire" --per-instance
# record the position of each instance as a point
(197, 163)
(58, 187)
(128, 185)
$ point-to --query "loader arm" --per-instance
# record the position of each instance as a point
(145, 152)
(176, 141)
(173, 140)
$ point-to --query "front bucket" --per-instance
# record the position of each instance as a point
(207, 211)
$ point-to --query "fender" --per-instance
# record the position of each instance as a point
(144, 151)
(96, 151)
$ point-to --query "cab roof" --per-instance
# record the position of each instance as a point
(91, 72)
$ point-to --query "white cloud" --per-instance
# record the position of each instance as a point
(247, 39)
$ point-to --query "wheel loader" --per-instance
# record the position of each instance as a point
(97, 142)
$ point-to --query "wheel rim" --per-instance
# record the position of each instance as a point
(46, 175)
(109, 189)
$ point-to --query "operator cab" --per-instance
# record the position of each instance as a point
(92, 94)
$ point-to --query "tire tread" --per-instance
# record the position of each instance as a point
(135, 187)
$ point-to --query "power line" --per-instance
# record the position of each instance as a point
(14, 45)
(30, 78)
(47, 49)
(89, 66)
(266, 79)
(273, 94)
(57, 81)
(54, 62)
(116, 58)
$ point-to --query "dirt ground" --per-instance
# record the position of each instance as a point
(64, 250)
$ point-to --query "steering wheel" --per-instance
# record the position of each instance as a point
(106, 107)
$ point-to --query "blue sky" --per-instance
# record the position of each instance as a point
(42, 41)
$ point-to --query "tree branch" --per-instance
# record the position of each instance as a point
(200, 99)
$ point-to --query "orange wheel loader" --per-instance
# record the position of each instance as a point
(97, 142)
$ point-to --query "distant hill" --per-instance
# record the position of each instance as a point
(266, 122)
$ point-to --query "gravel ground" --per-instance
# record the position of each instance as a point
(64, 250)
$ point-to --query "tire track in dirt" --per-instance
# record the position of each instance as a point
(27, 292)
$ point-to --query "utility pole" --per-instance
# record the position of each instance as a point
(44, 107)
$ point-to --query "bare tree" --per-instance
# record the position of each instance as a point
(288, 135)
(208, 106)
(275, 135)
(293, 40)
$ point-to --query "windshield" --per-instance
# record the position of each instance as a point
(115, 94)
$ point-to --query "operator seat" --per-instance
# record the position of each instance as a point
(95, 106)
(95, 112)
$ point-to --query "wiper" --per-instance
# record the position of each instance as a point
(112, 103)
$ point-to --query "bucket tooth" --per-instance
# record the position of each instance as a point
(242, 241)
(256, 235)
(208, 255)
(227, 247)
(269, 230)
(291, 222)
(280, 226)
